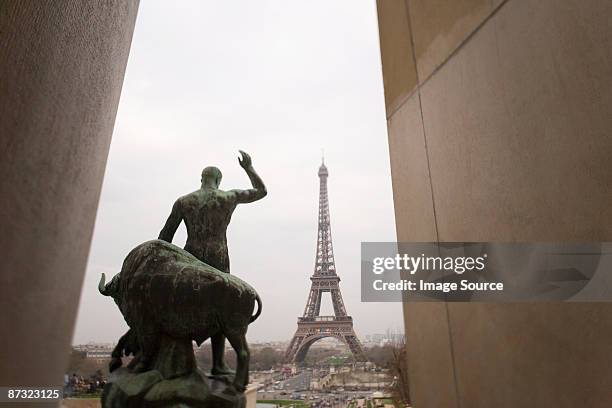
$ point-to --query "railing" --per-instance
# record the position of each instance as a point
(326, 319)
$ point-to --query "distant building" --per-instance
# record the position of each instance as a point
(96, 351)
(380, 339)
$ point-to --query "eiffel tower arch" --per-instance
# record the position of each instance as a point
(312, 326)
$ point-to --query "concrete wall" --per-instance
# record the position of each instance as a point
(500, 130)
(61, 70)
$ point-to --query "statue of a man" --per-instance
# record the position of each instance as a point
(207, 213)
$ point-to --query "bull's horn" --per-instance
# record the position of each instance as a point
(101, 285)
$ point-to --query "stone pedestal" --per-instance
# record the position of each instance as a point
(173, 381)
(150, 389)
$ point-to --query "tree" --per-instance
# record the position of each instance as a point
(75, 361)
(399, 368)
(266, 358)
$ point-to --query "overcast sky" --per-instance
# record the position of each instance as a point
(280, 80)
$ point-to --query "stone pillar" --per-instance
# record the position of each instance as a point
(500, 129)
(61, 70)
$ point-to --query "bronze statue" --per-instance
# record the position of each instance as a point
(206, 213)
(170, 297)
(163, 289)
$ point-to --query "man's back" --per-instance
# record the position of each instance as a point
(207, 213)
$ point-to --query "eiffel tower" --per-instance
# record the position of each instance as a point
(312, 326)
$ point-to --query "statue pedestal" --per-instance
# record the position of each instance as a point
(150, 389)
(174, 381)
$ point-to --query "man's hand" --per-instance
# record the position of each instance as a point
(259, 189)
(245, 163)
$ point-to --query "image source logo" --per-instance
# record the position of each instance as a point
(485, 271)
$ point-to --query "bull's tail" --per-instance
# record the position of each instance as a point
(259, 306)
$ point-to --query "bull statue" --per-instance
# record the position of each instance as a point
(164, 290)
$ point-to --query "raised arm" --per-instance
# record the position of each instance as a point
(259, 189)
(174, 220)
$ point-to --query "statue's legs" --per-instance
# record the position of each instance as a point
(118, 351)
(218, 354)
(217, 257)
(240, 346)
(149, 343)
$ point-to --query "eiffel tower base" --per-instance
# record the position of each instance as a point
(310, 331)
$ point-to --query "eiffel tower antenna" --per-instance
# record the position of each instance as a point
(312, 326)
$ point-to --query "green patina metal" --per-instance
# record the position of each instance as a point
(171, 296)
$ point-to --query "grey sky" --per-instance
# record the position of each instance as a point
(280, 80)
